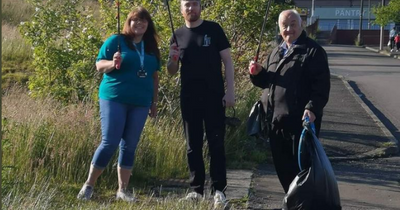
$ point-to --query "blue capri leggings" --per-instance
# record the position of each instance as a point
(122, 125)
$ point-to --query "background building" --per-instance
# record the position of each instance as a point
(345, 14)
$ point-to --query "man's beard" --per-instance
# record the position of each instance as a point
(193, 18)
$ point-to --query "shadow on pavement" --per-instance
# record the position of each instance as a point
(331, 55)
(389, 125)
(369, 65)
(370, 172)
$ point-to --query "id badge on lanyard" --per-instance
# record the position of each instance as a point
(142, 72)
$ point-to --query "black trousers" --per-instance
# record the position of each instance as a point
(392, 43)
(199, 113)
(284, 147)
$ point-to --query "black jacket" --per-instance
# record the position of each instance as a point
(298, 80)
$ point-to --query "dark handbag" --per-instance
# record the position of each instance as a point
(257, 123)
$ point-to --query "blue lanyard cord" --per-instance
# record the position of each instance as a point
(141, 55)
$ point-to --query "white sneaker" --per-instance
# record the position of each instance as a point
(125, 196)
(85, 193)
(392, 50)
(220, 201)
(193, 196)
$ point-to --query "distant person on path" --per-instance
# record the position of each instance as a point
(127, 95)
(298, 77)
(392, 34)
(201, 47)
(397, 41)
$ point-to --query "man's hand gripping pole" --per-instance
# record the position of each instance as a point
(253, 67)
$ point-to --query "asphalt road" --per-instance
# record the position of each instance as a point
(375, 77)
(347, 129)
(363, 185)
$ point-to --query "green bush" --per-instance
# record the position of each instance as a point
(65, 43)
(55, 139)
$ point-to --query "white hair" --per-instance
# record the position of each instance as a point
(292, 12)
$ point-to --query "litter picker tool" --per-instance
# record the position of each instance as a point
(261, 35)
(172, 26)
(118, 65)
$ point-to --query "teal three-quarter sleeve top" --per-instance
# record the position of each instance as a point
(124, 85)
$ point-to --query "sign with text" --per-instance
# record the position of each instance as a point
(342, 13)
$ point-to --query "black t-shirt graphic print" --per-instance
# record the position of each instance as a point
(201, 71)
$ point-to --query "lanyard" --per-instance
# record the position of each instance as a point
(141, 55)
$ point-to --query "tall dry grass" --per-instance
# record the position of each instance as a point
(15, 52)
(13, 46)
(58, 141)
(15, 11)
(47, 149)
(47, 146)
(46, 138)
(42, 195)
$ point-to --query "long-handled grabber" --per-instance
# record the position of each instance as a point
(118, 65)
(172, 26)
(261, 35)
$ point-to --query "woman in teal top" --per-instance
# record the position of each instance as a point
(128, 93)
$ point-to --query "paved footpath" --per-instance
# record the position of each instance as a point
(353, 140)
(363, 153)
(364, 156)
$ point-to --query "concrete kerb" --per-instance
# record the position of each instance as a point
(393, 146)
(382, 52)
(240, 181)
(372, 49)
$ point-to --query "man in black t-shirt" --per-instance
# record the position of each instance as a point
(201, 47)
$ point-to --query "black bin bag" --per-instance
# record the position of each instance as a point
(315, 187)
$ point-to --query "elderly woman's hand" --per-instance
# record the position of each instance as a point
(117, 60)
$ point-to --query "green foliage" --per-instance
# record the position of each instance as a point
(65, 39)
(313, 36)
(11, 79)
(388, 13)
(242, 21)
(357, 41)
(65, 42)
